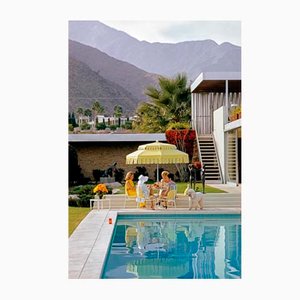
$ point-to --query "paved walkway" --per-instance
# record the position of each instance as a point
(227, 188)
(88, 245)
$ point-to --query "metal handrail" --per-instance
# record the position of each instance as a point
(198, 146)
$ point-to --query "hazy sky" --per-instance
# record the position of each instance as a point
(178, 31)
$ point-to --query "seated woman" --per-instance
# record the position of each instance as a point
(130, 189)
(165, 185)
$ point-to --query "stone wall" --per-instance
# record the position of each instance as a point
(93, 155)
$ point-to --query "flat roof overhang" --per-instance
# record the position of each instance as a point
(215, 82)
(116, 137)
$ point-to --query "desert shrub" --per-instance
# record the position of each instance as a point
(85, 193)
(97, 173)
(85, 126)
(119, 174)
(127, 125)
(140, 171)
(79, 189)
(113, 127)
(185, 176)
(101, 126)
(72, 202)
(84, 201)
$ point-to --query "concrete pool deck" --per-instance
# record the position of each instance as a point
(88, 245)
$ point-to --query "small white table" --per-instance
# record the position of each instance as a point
(99, 201)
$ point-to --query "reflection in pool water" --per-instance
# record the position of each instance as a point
(177, 247)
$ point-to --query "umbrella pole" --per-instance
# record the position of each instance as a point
(157, 173)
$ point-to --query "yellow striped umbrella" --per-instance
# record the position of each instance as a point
(157, 153)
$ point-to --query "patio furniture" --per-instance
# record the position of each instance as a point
(171, 196)
(99, 202)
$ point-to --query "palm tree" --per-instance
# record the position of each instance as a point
(97, 108)
(88, 113)
(173, 97)
(168, 103)
(79, 113)
(150, 118)
(118, 111)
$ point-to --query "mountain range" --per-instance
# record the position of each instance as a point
(167, 59)
(112, 67)
(94, 75)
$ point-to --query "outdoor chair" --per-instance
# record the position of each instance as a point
(171, 196)
(129, 198)
(140, 194)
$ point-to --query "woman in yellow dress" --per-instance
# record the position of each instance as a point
(130, 189)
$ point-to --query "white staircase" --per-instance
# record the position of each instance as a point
(209, 158)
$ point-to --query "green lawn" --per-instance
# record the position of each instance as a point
(181, 186)
(76, 215)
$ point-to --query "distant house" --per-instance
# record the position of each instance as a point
(83, 119)
(103, 119)
(113, 120)
(219, 139)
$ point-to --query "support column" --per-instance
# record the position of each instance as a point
(226, 103)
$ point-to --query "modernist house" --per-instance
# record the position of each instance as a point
(214, 95)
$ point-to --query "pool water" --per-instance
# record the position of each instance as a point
(176, 246)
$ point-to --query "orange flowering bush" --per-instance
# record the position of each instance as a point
(183, 139)
(100, 189)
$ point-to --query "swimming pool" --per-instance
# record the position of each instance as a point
(175, 246)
